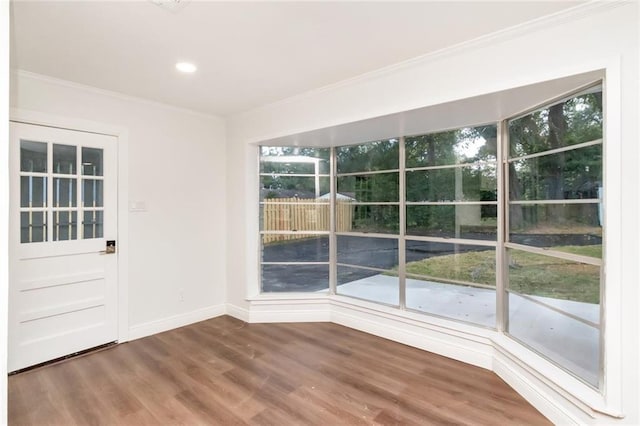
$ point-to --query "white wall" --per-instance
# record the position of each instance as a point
(599, 35)
(4, 201)
(177, 164)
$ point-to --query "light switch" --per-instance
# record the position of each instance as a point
(138, 206)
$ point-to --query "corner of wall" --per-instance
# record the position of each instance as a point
(4, 201)
(175, 321)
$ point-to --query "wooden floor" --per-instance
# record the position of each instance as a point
(223, 371)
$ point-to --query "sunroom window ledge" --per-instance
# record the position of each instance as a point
(586, 398)
(424, 320)
(287, 297)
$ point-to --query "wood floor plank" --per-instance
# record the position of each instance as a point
(227, 372)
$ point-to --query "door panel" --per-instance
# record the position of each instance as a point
(63, 209)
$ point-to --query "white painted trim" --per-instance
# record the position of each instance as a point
(516, 377)
(122, 135)
(176, 321)
(311, 310)
(109, 93)
(418, 335)
(556, 19)
(5, 34)
(237, 312)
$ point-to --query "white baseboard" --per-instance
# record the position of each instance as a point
(520, 381)
(176, 321)
(469, 351)
(237, 312)
(291, 310)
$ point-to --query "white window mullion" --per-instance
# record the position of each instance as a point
(402, 276)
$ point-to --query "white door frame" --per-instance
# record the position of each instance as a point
(122, 135)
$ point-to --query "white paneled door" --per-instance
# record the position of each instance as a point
(63, 248)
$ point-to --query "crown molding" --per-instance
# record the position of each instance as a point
(593, 7)
(112, 94)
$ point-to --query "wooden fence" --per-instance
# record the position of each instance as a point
(294, 214)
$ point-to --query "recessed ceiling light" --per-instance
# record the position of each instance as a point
(186, 67)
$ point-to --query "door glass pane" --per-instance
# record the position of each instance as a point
(92, 161)
(64, 192)
(92, 223)
(33, 227)
(33, 157)
(92, 194)
(65, 225)
(33, 191)
(64, 159)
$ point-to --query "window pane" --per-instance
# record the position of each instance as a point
(570, 122)
(33, 157)
(475, 183)
(92, 193)
(93, 224)
(566, 175)
(65, 225)
(286, 160)
(64, 192)
(295, 278)
(344, 213)
(33, 191)
(379, 219)
(92, 161)
(295, 215)
(64, 159)
(552, 277)
(448, 262)
(295, 248)
(453, 147)
(565, 227)
(365, 251)
(440, 278)
(371, 156)
(458, 302)
(368, 285)
(370, 188)
(275, 187)
(33, 227)
(477, 222)
(571, 343)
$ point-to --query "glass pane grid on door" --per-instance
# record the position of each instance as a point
(55, 193)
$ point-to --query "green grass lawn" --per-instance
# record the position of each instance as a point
(529, 273)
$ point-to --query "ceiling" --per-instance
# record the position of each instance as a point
(248, 53)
